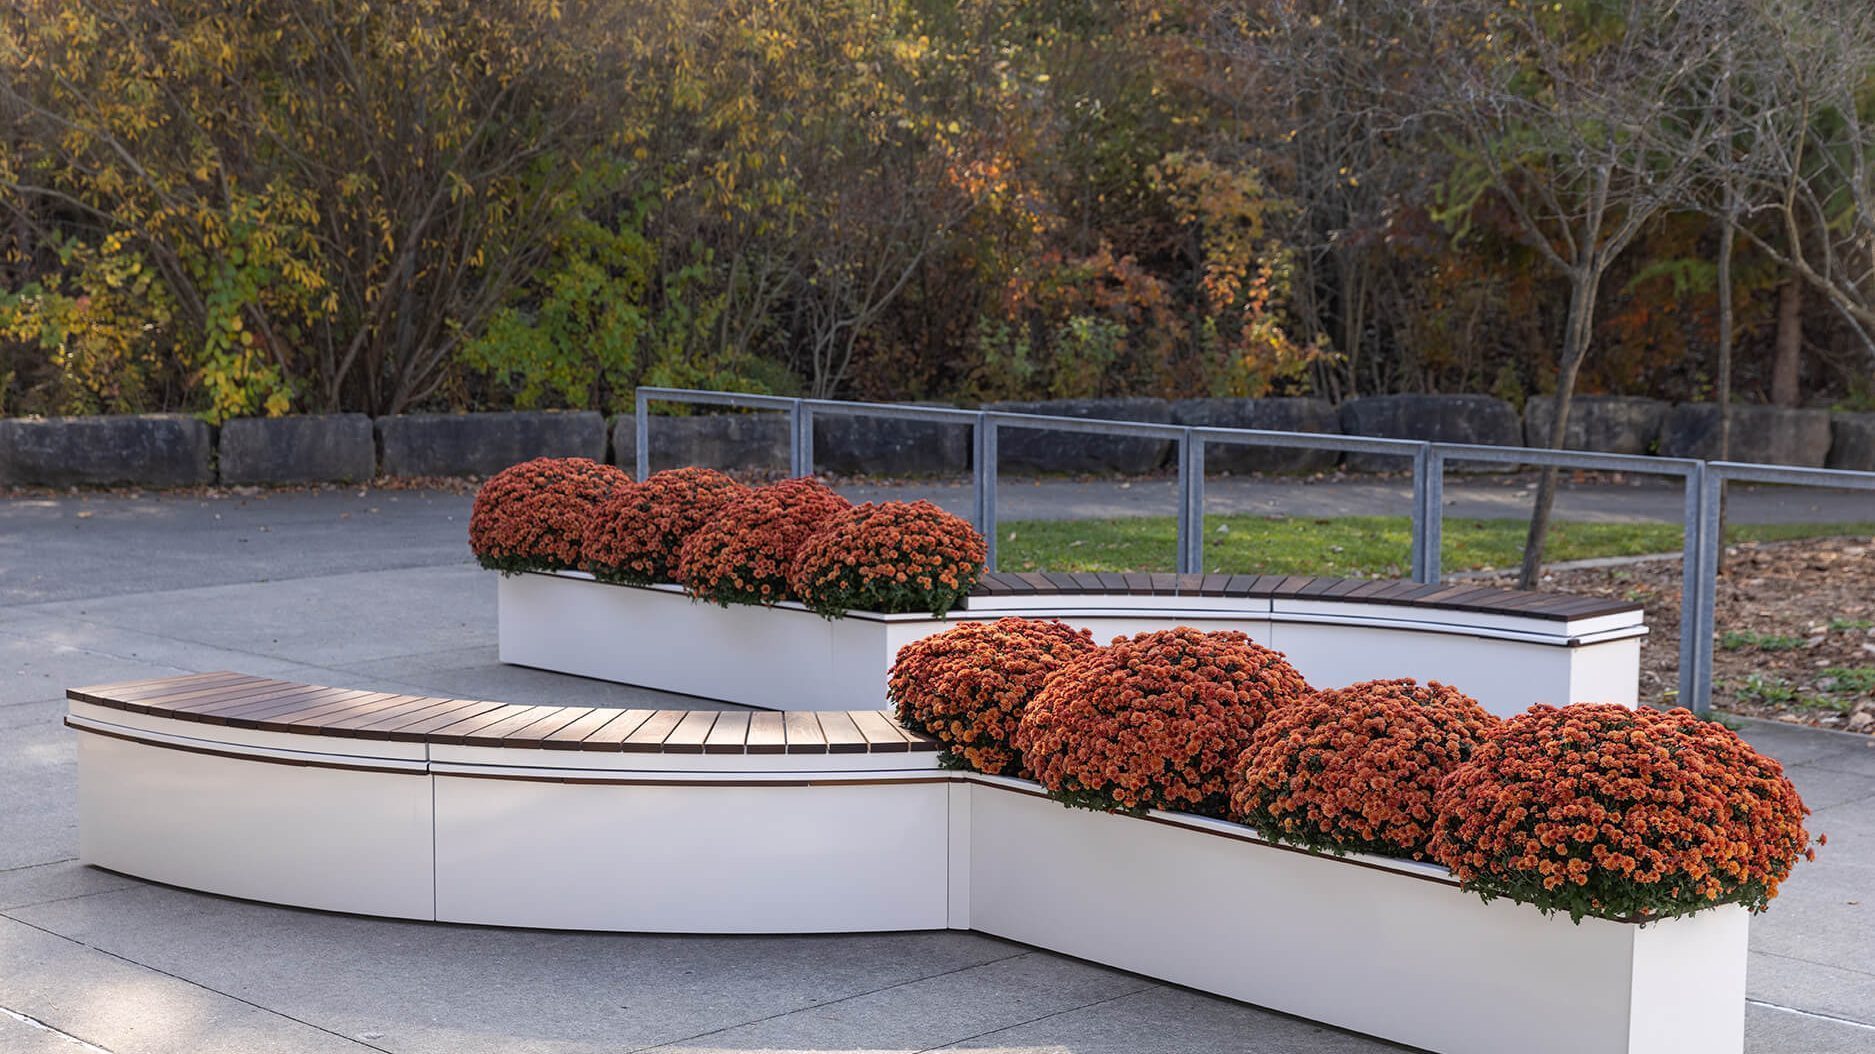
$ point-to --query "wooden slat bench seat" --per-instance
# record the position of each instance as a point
(240, 701)
(1559, 607)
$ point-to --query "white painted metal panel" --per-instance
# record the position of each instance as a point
(1415, 961)
(307, 836)
(692, 859)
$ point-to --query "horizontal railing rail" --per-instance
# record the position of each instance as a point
(1703, 484)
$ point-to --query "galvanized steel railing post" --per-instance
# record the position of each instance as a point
(1435, 516)
(1711, 544)
(983, 472)
(1422, 458)
(641, 433)
(1190, 503)
(1694, 595)
(800, 439)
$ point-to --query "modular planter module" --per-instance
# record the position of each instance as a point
(654, 821)
(1505, 648)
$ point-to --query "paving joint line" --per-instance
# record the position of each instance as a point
(1813, 962)
(29, 867)
(74, 896)
(32, 1022)
(1799, 1011)
(195, 984)
(1044, 1017)
(829, 1002)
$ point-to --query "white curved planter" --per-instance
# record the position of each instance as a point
(794, 843)
(788, 658)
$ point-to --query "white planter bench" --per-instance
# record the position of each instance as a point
(1506, 649)
(654, 821)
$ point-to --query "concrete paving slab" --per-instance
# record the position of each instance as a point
(57, 880)
(1163, 1020)
(164, 654)
(319, 621)
(931, 1012)
(38, 793)
(37, 667)
(21, 1035)
(1824, 788)
(122, 1006)
(1812, 986)
(419, 987)
(1771, 1029)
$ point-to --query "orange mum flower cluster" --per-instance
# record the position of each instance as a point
(1155, 721)
(1356, 768)
(636, 535)
(743, 554)
(533, 516)
(892, 557)
(1596, 809)
(968, 686)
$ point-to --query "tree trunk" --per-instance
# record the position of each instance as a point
(1576, 336)
(1784, 390)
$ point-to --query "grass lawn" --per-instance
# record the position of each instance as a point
(1348, 546)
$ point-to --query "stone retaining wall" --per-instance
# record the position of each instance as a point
(171, 450)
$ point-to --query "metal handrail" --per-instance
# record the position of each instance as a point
(1703, 484)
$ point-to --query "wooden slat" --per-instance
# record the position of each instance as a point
(248, 713)
(315, 723)
(419, 723)
(498, 733)
(146, 703)
(804, 734)
(613, 734)
(572, 735)
(119, 689)
(691, 733)
(1164, 583)
(208, 709)
(649, 737)
(883, 736)
(730, 734)
(843, 736)
(1087, 582)
(914, 741)
(1062, 581)
(174, 686)
(459, 730)
(767, 733)
(1318, 587)
(306, 716)
(351, 725)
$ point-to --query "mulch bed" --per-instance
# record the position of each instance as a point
(1795, 621)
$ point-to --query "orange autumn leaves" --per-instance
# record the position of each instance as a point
(1588, 809)
(724, 541)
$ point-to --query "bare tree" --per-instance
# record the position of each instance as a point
(1572, 120)
(1809, 154)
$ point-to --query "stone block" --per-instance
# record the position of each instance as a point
(150, 450)
(314, 448)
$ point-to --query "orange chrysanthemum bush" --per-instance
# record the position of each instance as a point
(1596, 809)
(1154, 721)
(892, 557)
(743, 554)
(636, 535)
(533, 516)
(968, 686)
(1356, 769)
